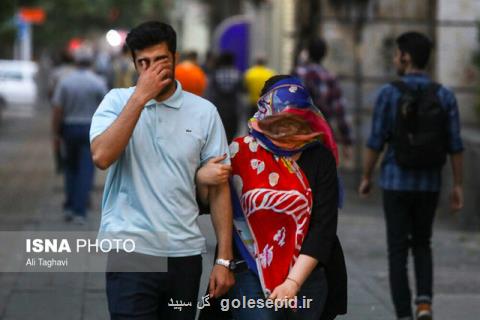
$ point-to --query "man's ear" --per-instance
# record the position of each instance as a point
(405, 58)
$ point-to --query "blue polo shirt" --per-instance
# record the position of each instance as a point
(394, 177)
(150, 190)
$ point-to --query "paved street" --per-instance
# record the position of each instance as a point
(31, 198)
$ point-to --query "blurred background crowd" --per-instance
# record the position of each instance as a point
(228, 48)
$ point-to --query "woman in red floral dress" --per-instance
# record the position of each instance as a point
(285, 199)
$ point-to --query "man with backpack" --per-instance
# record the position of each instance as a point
(419, 120)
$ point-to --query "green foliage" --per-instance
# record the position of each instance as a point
(7, 28)
(66, 19)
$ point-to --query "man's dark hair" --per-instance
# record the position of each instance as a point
(149, 34)
(226, 59)
(125, 49)
(417, 45)
(191, 55)
(65, 57)
(271, 82)
(261, 61)
(317, 50)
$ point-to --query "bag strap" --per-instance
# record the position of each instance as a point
(401, 86)
(432, 88)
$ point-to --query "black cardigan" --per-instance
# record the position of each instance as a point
(321, 242)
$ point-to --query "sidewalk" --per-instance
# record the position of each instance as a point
(456, 257)
(31, 198)
(365, 296)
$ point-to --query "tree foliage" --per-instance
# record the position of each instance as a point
(7, 28)
(78, 18)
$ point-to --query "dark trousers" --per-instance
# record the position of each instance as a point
(79, 168)
(147, 295)
(409, 219)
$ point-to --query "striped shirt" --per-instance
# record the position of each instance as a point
(327, 96)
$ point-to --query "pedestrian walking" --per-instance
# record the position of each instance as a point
(209, 62)
(419, 120)
(152, 138)
(225, 87)
(191, 75)
(64, 66)
(285, 209)
(326, 93)
(74, 101)
(254, 80)
(124, 74)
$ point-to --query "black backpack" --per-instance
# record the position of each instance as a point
(419, 138)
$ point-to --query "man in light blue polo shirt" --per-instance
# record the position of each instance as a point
(153, 138)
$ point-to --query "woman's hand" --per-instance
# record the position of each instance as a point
(287, 290)
(302, 268)
(214, 172)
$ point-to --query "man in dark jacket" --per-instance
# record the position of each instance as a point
(410, 195)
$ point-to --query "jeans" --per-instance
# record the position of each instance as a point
(79, 168)
(409, 220)
(147, 295)
(247, 285)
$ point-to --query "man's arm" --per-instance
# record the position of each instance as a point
(214, 172)
(108, 146)
(371, 159)
(221, 279)
(455, 148)
(57, 116)
(456, 160)
(222, 218)
(377, 139)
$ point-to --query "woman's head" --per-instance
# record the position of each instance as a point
(271, 82)
(282, 93)
(281, 126)
(287, 116)
(280, 114)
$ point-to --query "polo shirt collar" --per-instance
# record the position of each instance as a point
(175, 101)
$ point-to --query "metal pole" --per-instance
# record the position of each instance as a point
(26, 43)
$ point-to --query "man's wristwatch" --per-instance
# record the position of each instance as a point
(229, 264)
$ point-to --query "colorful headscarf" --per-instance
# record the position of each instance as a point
(288, 101)
(272, 198)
